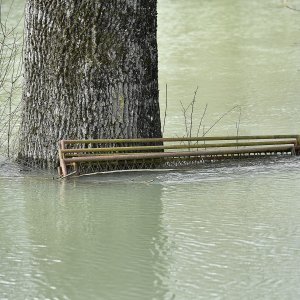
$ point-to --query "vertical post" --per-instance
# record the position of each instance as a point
(9, 127)
(61, 159)
(297, 146)
(75, 167)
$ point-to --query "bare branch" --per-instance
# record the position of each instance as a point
(166, 107)
(192, 110)
(224, 115)
(203, 115)
(185, 118)
(11, 49)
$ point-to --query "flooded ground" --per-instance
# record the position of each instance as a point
(221, 231)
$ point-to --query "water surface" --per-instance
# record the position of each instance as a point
(222, 231)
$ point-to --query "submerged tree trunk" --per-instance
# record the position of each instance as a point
(90, 72)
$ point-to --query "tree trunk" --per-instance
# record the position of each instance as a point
(90, 72)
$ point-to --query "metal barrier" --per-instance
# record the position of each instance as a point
(81, 156)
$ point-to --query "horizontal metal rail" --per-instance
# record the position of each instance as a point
(174, 147)
(182, 139)
(287, 147)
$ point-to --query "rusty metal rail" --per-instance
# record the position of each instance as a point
(76, 156)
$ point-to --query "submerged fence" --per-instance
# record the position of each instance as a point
(89, 156)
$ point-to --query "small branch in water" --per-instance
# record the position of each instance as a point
(192, 111)
(204, 134)
(9, 128)
(238, 126)
(224, 115)
(166, 107)
(202, 118)
(185, 118)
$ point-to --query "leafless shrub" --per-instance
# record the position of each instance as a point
(11, 44)
(188, 112)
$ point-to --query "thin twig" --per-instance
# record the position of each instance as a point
(238, 126)
(202, 117)
(9, 128)
(185, 118)
(224, 115)
(192, 111)
(166, 107)
(11, 63)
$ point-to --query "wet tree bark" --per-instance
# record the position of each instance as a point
(90, 72)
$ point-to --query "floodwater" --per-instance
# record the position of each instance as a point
(223, 231)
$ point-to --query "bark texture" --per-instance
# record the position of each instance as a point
(90, 72)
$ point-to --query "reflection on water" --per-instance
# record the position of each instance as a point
(224, 231)
(106, 241)
(220, 232)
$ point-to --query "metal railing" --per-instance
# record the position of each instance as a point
(151, 152)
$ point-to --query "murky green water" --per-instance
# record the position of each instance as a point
(228, 231)
(238, 52)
